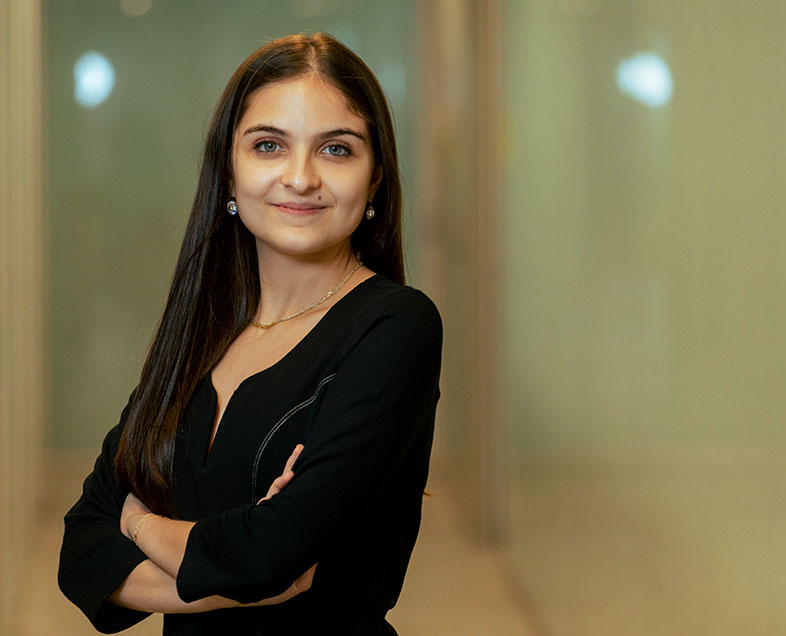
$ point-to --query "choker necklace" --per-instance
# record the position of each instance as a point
(332, 292)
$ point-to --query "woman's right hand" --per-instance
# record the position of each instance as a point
(302, 583)
(283, 479)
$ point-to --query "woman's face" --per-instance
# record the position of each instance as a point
(303, 168)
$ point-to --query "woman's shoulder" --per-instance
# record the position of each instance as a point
(385, 297)
(381, 321)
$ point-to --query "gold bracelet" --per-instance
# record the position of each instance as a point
(149, 515)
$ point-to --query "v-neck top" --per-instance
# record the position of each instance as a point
(360, 392)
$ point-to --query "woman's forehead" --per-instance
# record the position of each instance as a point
(301, 105)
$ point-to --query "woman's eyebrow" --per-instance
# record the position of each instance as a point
(338, 132)
(265, 128)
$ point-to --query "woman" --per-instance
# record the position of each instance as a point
(287, 327)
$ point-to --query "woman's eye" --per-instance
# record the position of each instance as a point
(337, 150)
(267, 146)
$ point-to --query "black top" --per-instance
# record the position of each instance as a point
(360, 392)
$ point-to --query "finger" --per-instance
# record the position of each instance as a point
(293, 458)
(308, 577)
(279, 482)
(277, 485)
(285, 477)
(304, 581)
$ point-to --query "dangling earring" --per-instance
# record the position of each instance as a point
(370, 211)
(232, 207)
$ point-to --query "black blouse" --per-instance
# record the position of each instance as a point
(360, 392)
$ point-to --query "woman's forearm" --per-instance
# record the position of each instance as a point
(163, 541)
(150, 589)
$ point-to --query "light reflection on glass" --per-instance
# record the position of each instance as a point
(646, 78)
(135, 8)
(94, 79)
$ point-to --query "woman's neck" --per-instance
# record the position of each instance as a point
(289, 283)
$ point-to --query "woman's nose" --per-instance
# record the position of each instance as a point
(300, 174)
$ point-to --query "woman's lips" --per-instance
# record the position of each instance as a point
(299, 209)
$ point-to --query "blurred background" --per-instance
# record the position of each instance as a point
(595, 199)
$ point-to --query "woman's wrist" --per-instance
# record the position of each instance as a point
(141, 519)
(130, 522)
(132, 514)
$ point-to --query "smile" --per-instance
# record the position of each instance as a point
(299, 209)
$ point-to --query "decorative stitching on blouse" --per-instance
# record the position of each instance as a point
(275, 428)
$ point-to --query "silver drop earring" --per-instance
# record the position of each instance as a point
(232, 207)
(370, 211)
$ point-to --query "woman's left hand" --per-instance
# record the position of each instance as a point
(284, 478)
(133, 512)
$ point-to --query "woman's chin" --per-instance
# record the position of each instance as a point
(308, 250)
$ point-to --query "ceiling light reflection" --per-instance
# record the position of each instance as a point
(135, 8)
(646, 78)
(94, 79)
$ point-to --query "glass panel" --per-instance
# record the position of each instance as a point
(645, 299)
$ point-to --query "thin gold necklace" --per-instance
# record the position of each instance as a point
(331, 293)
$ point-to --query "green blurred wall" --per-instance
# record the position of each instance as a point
(646, 269)
(121, 176)
(644, 322)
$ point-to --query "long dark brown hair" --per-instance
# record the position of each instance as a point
(215, 289)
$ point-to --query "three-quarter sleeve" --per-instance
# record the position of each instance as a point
(377, 410)
(96, 556)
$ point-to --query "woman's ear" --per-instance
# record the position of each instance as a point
(376, 179)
